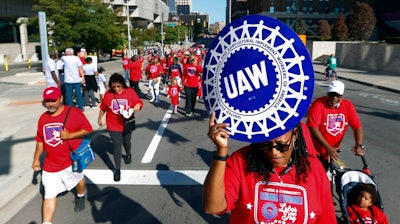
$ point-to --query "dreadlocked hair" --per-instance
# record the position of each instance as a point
(257, 161)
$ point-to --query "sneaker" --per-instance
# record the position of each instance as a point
(188, 115)
(94, 106)
(86, 107)
(152, 100)
(128, 159)
(157, 101)
(79, 204)
(175, 111)
(117, 175)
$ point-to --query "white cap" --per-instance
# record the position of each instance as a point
(336, 87)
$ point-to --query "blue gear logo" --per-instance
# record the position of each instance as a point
(258, 77)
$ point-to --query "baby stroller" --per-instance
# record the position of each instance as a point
(344, 179)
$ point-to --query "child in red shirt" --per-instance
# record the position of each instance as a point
(173, 93)
(361, 206)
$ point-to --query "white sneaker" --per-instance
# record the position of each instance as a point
(152, 100)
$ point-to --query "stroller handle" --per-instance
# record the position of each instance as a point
(364, 161)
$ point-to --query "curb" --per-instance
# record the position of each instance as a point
(365, 83)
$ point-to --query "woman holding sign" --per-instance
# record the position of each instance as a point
(277, 181)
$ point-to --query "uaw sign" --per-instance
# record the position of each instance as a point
(258, 77)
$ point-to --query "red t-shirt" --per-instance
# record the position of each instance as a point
(126, 99)
(173, 93)
(175, 70)
(48, 132)
(191, 75)
(252, 200)
(155, 71)
(379, 215)
(135, 70)
(125, 62)
(332, 122)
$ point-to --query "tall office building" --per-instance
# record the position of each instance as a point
(184, 7)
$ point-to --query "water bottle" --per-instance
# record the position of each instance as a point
(74, 166)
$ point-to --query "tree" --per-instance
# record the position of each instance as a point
(340, 31)
(362, 22)
(84, 23)
(324, 29)
(300, 26)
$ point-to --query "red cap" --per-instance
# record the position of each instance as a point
(51, 93)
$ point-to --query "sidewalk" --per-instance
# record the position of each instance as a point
(381, 80)
(19, 114)
(18, 118)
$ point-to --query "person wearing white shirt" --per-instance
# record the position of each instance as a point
(73, 77)
(90, 86)
(51, 73)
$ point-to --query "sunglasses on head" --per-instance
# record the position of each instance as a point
(267, 146)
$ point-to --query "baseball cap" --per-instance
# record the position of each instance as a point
(101, 69)
(51, 93)
(336, 87)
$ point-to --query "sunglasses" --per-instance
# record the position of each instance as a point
(282, 148)
(333, 94)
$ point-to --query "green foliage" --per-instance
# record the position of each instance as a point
(392, 40)
(171, 33)
(313, 38)
(81, 23)
(362, 22)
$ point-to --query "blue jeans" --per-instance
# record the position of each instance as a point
(69, 88)
(127, 75)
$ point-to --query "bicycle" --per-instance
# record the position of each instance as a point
(332, 75)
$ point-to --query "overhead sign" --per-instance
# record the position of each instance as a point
(258, 77)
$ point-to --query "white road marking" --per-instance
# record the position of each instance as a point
(147, 177)
(151, 150)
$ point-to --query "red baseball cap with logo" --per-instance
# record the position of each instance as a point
(51, 93)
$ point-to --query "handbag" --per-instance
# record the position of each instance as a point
(83, 155)
(129, 123)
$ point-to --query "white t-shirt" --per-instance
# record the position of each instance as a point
(60, 66)
(71, 68)
(50, 67)
(89, 69)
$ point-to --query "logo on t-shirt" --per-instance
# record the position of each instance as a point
(280, 203)
(258, 77)
(335, 124)
(52, 135)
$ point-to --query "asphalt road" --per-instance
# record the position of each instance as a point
(171, 155)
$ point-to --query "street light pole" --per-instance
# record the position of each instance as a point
(162, 35)
(129, 29)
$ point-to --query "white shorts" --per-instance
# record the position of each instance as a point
(153, 85)
(102, 90)
(58, 182)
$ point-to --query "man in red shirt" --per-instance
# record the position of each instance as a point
(135, 74)
(58, 140)
(328, 119)
(191, 76)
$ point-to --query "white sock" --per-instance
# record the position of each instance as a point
(80, 195)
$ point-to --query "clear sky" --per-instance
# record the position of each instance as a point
(215, 8)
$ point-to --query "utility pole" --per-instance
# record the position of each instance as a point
(129, 29)
(162, 35)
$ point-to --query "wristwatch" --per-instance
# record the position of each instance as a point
(361, 146)
(220, 158)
